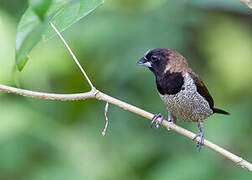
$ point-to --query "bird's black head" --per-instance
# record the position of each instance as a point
(168, 67)
(156, 60)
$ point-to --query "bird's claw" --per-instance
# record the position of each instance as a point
(201, 142)
(159, 115)
(171, 119)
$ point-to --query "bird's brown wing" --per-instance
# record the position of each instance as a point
(202, 89)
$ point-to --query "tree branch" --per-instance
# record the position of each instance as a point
(96, 94)
(49, 96)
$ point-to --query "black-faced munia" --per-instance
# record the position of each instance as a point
(181, 89)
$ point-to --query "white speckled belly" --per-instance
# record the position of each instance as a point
(188, 104)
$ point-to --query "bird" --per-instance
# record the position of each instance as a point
(181, 89)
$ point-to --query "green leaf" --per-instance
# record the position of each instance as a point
(63, 13)
(40, 7)
(29, 33)
(71, 13)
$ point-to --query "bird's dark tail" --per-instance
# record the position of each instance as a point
(215, 110)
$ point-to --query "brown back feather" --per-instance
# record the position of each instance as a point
(202, 89)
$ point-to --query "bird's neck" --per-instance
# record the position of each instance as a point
(169, 83)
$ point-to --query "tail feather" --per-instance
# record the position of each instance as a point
(216, 110)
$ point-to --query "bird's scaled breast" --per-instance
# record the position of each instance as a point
(187, 104)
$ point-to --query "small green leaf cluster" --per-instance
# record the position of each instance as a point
(34, 23)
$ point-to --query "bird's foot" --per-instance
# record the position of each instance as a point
(201, 142)
(155, 117)
(171, 119)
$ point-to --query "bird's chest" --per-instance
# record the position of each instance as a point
(187, 104)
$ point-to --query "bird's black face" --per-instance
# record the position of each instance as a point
(156, 60)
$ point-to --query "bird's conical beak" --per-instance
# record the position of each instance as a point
(144, 62)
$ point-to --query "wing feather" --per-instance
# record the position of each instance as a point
(202, 89)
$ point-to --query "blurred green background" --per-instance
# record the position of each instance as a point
(42, 139)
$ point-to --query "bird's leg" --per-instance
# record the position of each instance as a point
(159, 115)
(201, 135)
(171, 118)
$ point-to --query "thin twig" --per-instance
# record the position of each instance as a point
(106, 119)
(72, 54)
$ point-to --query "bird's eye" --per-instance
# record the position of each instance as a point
(154, 58)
